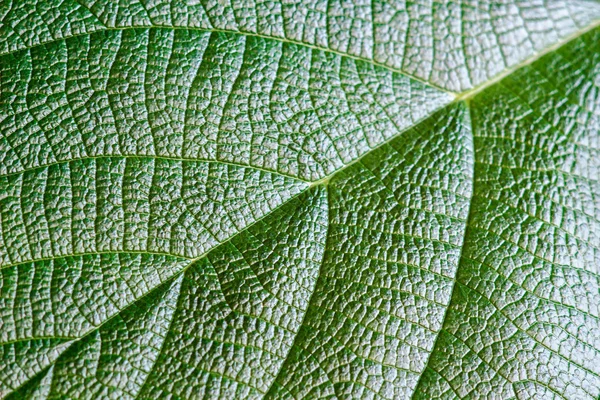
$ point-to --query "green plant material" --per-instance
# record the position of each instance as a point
(304, 200)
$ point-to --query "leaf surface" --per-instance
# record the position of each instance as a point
(311, 200)
(454, 45)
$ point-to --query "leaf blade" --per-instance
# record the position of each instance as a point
(450, 45)
(229, 111)
(536, 288)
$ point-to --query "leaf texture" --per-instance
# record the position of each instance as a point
(524, 317)
(455, 45)
(299, 200)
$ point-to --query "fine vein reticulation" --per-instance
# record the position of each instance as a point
(307, 200)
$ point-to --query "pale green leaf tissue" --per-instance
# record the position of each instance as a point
(340, 199)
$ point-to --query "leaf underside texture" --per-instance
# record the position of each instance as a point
(300, 200)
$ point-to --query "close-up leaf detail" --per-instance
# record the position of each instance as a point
(207, 199)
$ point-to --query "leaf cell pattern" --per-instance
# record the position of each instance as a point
(300, 200)
(452, 44)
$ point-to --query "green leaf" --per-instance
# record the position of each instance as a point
(299, 200)
(454, 45)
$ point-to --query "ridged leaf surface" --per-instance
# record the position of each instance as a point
(386, 200)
